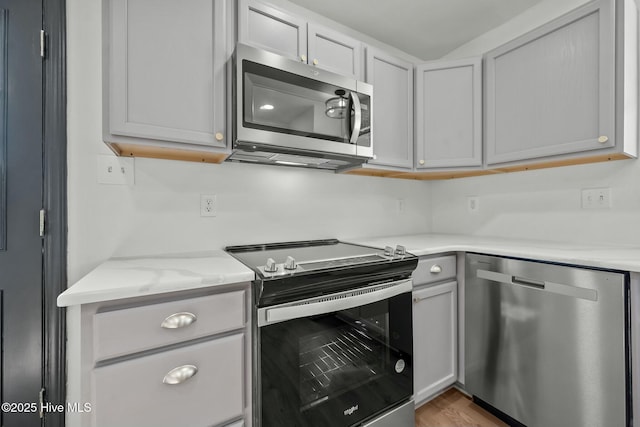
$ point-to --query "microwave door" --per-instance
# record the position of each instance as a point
(285, 109)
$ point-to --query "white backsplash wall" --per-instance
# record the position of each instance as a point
(541, 204)
(161, 212)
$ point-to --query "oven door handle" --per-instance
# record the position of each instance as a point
(330, 303)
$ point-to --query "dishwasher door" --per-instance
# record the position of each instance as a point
(547, 344)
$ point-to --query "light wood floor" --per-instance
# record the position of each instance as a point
(454, 409)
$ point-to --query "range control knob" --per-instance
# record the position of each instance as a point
(388, 251)
(290, 263)
(401, 250)
(270, 266)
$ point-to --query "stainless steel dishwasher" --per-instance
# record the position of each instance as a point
(546, 344)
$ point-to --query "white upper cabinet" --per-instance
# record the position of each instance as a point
(552, 91)
(272, 29)
(292, 36)
(449, 114)
(392, 111)
(334, 51)
(164, 74)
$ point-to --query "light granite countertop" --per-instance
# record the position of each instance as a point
(120, 278)
(612, 257)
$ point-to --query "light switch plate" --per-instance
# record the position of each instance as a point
(116, 170)
(596, 198)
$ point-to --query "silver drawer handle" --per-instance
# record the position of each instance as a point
(178, 320)
(435, 269)
(180, 374)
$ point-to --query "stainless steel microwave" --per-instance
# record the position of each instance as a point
(293, 114)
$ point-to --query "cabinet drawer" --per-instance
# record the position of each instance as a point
(431, 270)
(120, 332)
(133, 393)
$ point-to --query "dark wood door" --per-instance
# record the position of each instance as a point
(21, 186)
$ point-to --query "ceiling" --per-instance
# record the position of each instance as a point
(427, 29)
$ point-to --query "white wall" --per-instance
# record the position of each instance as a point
(542, 204)
(160, 213)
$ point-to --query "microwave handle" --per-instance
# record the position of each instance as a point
(357, 119)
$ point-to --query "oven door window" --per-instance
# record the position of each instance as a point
(278, 101)
(337, 369)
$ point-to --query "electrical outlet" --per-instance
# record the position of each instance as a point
(208, 205)
(473, 204)
(116, 170)
(596, 198)
(401, 205)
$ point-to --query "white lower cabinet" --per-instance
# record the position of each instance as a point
(195, 385)
(180, 360)
(435, 339)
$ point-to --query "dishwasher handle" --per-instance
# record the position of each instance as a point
(523, 281)
(539, 285)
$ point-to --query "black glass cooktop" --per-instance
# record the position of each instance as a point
(292, 269)
(308, 255)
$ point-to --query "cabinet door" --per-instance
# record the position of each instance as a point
(435, 332)
(272, 29)
(134, 392)
(392, 110)
(334, 51)
(448, 114)
(165, 65)
(551, 91)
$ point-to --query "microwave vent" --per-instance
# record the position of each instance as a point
(286, 159)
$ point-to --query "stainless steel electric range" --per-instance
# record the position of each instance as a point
(332, 334)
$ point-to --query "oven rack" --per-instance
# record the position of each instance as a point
(337, 357)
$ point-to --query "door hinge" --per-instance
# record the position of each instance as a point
(43, 42)
(42, 221)
(41, 400)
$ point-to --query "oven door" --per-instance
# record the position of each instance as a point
(336, 360)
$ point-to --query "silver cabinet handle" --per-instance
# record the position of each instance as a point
(436, 269)
(178, 320)
(603, 139)
(180, 374)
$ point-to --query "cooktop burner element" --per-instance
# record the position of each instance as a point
(306, 267)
